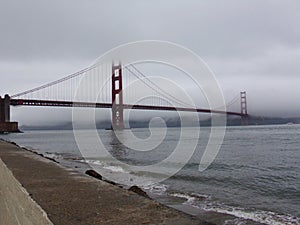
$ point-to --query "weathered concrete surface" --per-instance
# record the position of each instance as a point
(72, 198)
(16, 206)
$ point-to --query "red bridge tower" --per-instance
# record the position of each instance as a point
(5, 124)
(117, 97)
(244, 112)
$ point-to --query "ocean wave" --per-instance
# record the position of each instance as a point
(190, 198)
(52, 155)
(265, 217)
(89, 161)
(203, 202)
(106, 166)
(116, 169)
(158, 189)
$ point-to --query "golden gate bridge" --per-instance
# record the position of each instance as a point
(106, 87)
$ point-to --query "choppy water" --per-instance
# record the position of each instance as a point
(255, 176)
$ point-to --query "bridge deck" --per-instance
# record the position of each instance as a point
(33, 102)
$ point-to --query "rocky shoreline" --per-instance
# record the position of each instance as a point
(69, 197)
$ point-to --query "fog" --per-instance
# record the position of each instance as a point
(250, 45)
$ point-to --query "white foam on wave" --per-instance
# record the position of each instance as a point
(112, 168)
(89, 161)
(117, 169)
(51, 155)
(97, 162)
(158, 189)
(189, 199)
(259, 216)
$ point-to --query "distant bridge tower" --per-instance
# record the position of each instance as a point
(117, 97)
(244, 112)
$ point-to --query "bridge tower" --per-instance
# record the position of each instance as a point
(117, 97)
(5, 124)
(4, 109)
(244, 112)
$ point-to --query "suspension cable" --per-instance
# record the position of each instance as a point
(56, 82)
(162, 92)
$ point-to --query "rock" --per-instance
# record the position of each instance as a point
(46, 157)
(93, 173)
(138, 190)
(110, 182)
(13, 143)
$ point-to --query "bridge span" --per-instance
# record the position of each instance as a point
(117, 104)
(70, 104)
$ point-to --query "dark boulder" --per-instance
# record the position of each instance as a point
(138, 190)
(93, 173)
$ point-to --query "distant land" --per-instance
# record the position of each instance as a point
(170, 122)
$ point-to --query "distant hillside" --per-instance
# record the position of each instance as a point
(264, 121)
(255, 120)
(170, 122)
(106, 124)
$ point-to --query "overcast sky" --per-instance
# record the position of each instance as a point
(251, 45)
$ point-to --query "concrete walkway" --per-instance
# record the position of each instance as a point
(16, 206)
(69, 197)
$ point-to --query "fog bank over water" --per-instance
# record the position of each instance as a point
(251, 45)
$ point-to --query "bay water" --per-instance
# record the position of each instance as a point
(255, 176)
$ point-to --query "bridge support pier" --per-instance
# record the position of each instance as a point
(5, 124)
(244, 120)
(117, 97)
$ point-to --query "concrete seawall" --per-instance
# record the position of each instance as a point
(16, 206)
(68, 197)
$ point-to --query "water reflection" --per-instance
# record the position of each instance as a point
(116, 148)
(137, 156)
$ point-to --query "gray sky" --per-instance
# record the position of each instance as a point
(251, 45)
